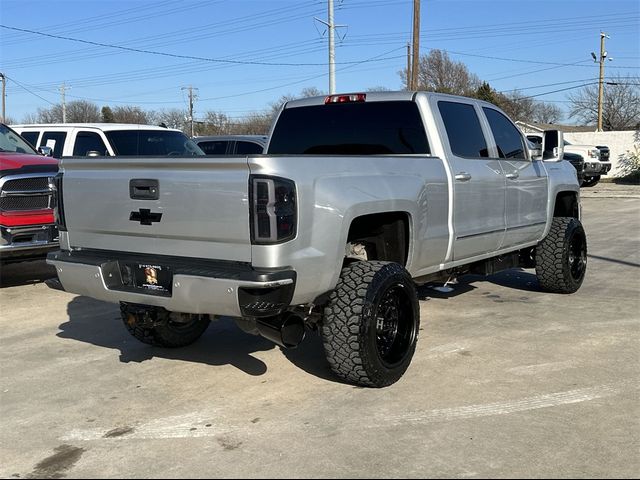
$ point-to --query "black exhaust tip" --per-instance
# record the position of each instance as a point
(286, 330)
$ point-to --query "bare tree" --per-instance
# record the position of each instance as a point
(621, 104)
(174, 118)
(214, 123)
(83, 111)
(78, 111)
(546, 113)
(516, 105)
(438, 73)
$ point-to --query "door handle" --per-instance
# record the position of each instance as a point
(512, 176)
(463, 176)
(144, 189)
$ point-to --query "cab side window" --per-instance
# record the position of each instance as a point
(216, 147)
(89, 142)
(55, 140)
(244, 148)
(463, 129)
(507, 137)
(31, 137)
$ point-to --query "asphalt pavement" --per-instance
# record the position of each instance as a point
(507, 382)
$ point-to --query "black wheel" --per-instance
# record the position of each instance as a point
(370, 325)
(162, 328)
(561, 258)
(590, 181)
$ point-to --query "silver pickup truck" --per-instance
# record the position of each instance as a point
(359, 198)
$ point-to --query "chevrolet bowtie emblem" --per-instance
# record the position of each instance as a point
(145, 217)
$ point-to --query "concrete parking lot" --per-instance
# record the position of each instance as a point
(506, 382)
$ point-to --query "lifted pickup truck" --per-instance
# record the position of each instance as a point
(359, 198)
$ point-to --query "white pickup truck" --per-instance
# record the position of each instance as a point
(358, 199)
(595, 159)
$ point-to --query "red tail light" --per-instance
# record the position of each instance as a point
(348, 98)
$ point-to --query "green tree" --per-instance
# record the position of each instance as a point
(107, 114)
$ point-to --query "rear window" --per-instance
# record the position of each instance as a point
(463, 129)
(363, 128)
(152, 142)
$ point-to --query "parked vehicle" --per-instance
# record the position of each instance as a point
(231, 144)
(108, 139)
(595, 159)
(27, 228)
(359, 198)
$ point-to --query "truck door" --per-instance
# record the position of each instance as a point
(526, 180)
(478, 182)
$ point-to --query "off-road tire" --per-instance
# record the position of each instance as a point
(357, 328)
(590, 181)
(561, 258)
(168, 334)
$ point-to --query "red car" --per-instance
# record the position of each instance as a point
(27, 228)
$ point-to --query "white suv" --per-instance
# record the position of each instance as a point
(107, 139)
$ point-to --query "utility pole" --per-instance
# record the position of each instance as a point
(408, 66)
(63, 88)
(416, 45)
(331, 28)
(332, 51)
(4, 86)
(603, 56)
(191, 99)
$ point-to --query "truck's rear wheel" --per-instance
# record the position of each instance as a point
(561, 258)
(161, 328)
(370, 325)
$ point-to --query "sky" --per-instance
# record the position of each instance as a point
(240, 56)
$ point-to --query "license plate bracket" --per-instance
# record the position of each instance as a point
(151, 278)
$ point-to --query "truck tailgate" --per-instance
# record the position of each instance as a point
(200, 209)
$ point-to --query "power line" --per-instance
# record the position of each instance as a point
(174, 55)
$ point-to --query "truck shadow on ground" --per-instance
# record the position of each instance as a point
(515, 278)
(98, 323)
(25, 273)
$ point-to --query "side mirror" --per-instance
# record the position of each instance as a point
(46, 151)
(552, 146)
(536, 152)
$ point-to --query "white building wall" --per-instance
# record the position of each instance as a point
(618, 143)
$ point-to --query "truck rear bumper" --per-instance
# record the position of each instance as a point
(27, 242)
(192, 286)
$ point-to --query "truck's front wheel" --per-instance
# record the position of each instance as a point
(561, 258)
(162, 328)
(370, 325)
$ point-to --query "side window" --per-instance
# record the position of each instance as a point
(31, 137)
(214, 147)
(89, 142)
(507, 137)
(55, 140)
(463, 129)
(244, 148)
